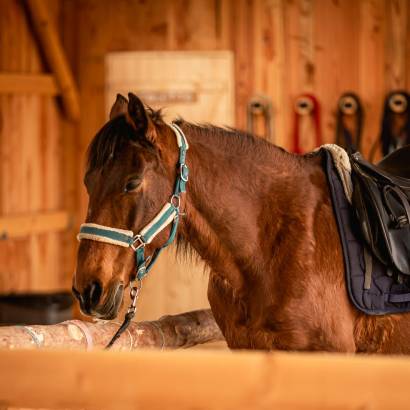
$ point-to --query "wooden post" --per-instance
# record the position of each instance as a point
(55, 56)
(179, 331)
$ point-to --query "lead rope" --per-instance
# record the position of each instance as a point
(132, 310)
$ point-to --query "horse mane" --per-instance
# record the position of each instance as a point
(230, 140)
(233, 142)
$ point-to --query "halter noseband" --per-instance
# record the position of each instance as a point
(168, 214)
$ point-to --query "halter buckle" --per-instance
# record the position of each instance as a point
(183, 172)
(137, 238)
(176, 201)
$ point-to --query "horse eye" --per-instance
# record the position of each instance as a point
(132, 185)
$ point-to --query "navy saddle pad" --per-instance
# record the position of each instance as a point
(382, 290)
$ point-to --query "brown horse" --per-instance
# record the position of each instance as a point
(261, 219)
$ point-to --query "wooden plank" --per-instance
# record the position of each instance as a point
(372, 74)
(396, 41)
(54, 53)
(268, 61)
(306, 45)
(336, 58)
(69, 169)
(276, 66)
(224, 24)
(201, 380)
(22, 225)
(197, 29)
(244, 68)
(31, 157)
(12, 83)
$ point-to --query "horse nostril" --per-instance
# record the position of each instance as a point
(95, 293)
(90, 297)
(76, 293)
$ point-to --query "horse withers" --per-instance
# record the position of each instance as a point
(260, 217)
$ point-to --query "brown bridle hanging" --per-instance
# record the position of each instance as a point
(349, 122)
(395, 125)
(260, 106)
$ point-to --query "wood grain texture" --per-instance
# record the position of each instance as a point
(56, 59)
(11, 83)
(395, 43)
(281, 48)
(372, 56)
(30, 156)
(22, 225)
(201, 380)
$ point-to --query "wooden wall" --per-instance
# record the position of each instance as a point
(281, 48)
(31, 161)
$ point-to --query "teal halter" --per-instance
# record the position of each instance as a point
(169, 214)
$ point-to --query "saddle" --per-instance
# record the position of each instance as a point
(381, 201)
(374, 287)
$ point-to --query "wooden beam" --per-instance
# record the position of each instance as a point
(201, 380)
(177, 331)
(12, 83)
(23, 225)
(55, 56)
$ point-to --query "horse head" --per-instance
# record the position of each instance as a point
(130, 175)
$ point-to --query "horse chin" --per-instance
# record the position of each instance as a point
(112, 304)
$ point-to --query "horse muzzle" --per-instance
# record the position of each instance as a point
(93, 304)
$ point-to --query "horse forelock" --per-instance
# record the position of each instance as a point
(113, 136)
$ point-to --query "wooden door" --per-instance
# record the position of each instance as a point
(199, 86)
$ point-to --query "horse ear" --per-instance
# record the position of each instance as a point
(137, 114)
(120, 107)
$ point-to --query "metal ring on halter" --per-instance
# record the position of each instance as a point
(348, 105)
(136, 239)
(398, 103)
(304, 106)
(182, 168)
(176, 198)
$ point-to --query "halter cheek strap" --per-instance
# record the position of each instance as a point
(169, 214)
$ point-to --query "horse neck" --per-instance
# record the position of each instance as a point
(238, 187)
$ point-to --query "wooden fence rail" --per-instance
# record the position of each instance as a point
(201, 380)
